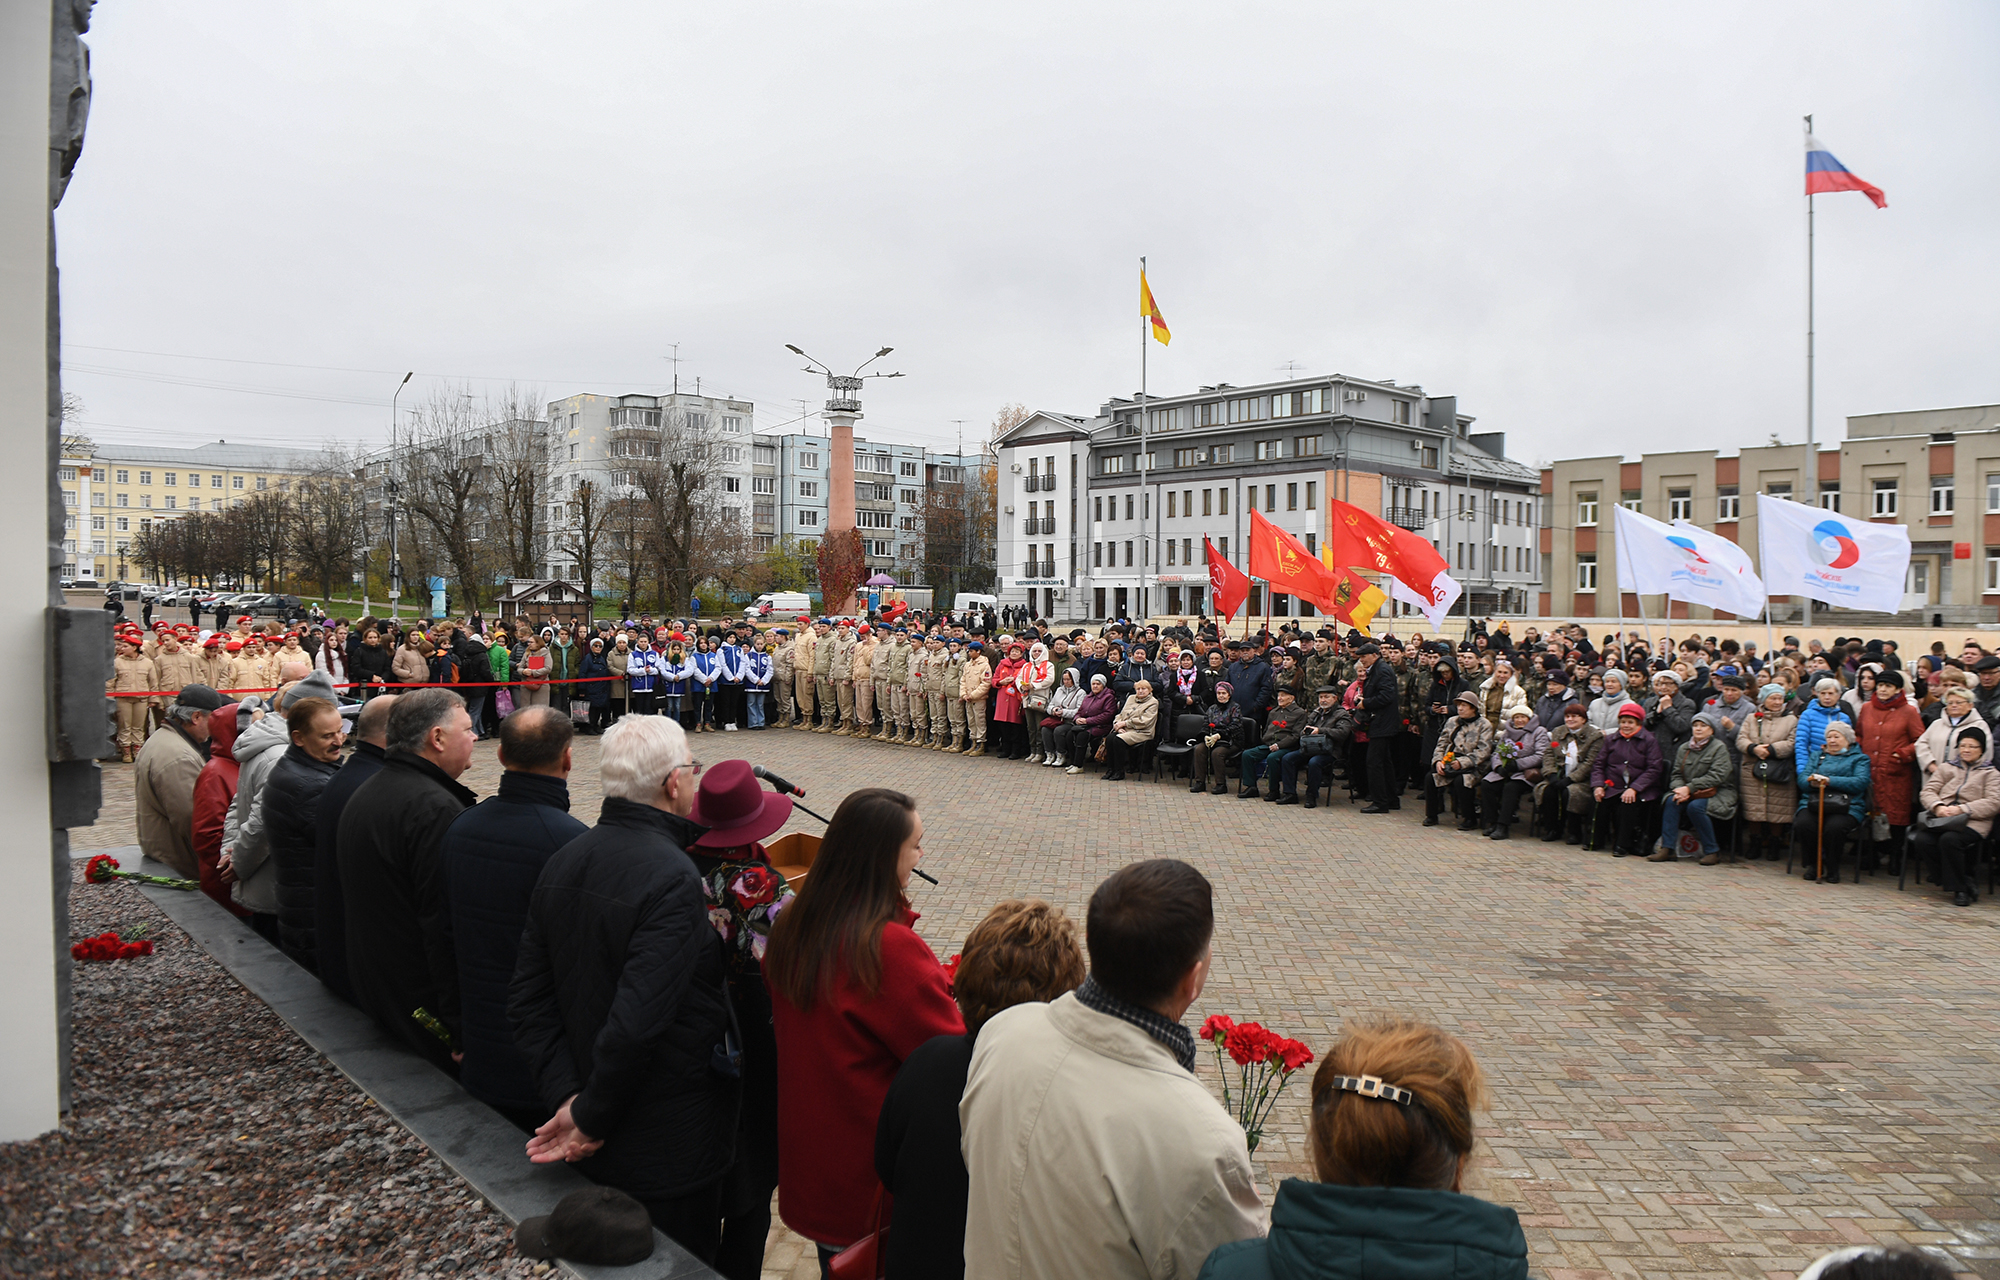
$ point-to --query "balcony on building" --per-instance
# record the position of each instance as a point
(1038, 525)
(1412, 518)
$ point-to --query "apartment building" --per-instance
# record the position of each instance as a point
(789, 496)
(110, 492)
(1092, 526)
(1936, 471)
(602, 438)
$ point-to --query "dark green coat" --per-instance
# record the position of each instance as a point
(1325, 1232)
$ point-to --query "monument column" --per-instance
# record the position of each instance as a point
(841, 414)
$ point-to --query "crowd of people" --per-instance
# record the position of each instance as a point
(650, 999)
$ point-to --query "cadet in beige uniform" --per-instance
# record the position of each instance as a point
(803, 657)
(974, 683)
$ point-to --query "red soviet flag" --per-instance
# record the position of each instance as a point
(1371, 545)
(1282, 560)
(1226, 583)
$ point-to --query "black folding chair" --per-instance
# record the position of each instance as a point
(1179, 747)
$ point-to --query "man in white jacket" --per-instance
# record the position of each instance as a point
(1093, 1150)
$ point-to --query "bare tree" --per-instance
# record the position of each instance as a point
(330, 519)
(265, 523)
(515, 454)
(584, 531)
(446, 486)
(681, 520)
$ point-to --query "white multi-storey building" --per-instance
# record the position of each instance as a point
(1098, 521)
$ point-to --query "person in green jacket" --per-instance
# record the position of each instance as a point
(500, 659)
(1390, 1134)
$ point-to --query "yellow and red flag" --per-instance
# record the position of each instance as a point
(1371, 545)
(1150, 310)
(1356, 600)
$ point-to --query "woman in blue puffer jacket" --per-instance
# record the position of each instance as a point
(1824, 708)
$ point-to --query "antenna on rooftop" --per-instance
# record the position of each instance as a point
(1291, 368)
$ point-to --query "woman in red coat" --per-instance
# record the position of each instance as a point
(1007, 720)
(854, 991)
(1890, 727)
(214, 792)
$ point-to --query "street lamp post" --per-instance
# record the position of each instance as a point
(389, 484)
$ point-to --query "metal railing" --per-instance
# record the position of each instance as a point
(1414, 519)
(1034, 525)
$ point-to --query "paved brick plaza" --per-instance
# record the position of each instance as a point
(1695, 1071)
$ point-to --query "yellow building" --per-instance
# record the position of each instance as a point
(112, 492)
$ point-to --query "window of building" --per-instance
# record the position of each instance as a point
(764, 455)
(1885, 498)
(1781, 489)
(1187, 550)
(1586, 509)
(96, 522)
(260, 484)
(1173, 502)
(97, 497)
(124, 476)
(1291, 497)
(215, 482)
(1222, 502)
(1728, 503)
(1187, 502)
(1829, 496)
(1428, 457)
(1282, 404)
(1993, 569)
(809, 488)
(874, 519)
(97, 546)
(1270, 450)
(908, 497)
(124, 524)
(145, 498)
(1680, 504)
(124, 499)
(1399, 412)
(764, 484)
(908, 524)
(215, 504)
(731, 423)
(809, 459)
(908, 468)
(1629, 499)
(65, 473)
(951, 475)
(732, 484)
(1097, 508)
(1312, 495)
(1128, 506)
(1586, 573)
(1270, 497)
(69, 497)
(1170, 550)
(1188, 457)
(1111, 464)
(808, 518)
(1305, 446)
(1943, 495)
(1222, 453)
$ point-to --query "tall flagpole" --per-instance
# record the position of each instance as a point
(1812, 456)
(1145, 471)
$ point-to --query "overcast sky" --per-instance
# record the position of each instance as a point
(1587, 222)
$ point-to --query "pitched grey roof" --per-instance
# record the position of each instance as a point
(221, 454)
(1469, 459)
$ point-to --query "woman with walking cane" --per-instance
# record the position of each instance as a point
(1832, 784)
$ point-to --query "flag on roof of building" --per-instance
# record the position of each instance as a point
(1824, 174)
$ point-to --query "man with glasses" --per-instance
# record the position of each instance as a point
(631, 1045)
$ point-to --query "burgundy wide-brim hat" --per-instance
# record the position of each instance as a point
(735, 807)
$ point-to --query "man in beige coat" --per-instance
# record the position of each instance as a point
(1092, 1149)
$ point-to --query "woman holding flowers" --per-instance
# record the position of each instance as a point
(1390, 1134)
(854, 992)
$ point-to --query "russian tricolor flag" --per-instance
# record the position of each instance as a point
(1824, 173)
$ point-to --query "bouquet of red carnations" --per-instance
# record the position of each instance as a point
(1264, 1062)
(109, 946)
(103, 869)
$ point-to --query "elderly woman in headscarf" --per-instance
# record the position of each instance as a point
(1767, 784)
(1035, 682)
(1093, 717)
(1221, 738)
(1833, 778)
(1058, 719)
(1604, 711)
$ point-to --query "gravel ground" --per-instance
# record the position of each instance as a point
(209, 1141)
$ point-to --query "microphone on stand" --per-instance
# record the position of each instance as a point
(778, 784)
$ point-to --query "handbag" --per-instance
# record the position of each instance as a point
(1102, 743)
(579, 709)
(1932, 822)
(503, 702)
(1315, 744)
(1769, 770)
(867, 1257)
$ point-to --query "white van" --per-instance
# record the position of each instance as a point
(778, 602)
(972, 600)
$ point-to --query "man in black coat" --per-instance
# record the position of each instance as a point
(399, 952)
(371, 732)
(619, 1000)
(1382, 712)
(493, 854)
(290, 804)
(1250, 678)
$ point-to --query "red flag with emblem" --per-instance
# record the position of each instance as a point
(1228, 584)
(1283, 561)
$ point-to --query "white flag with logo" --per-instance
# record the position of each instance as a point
(1850, 564)
(1687, 563)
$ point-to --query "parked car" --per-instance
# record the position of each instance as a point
(269, 605)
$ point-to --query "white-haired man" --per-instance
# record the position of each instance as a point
(619, 1002)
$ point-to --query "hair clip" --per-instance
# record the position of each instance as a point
(1374, 1087)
